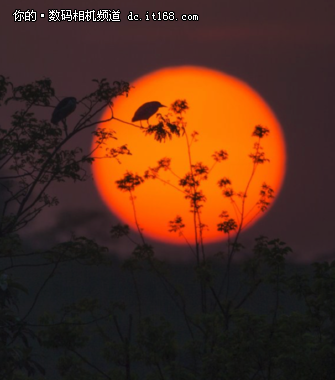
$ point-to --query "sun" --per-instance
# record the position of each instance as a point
(224, 111)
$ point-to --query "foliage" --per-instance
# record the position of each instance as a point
(211, 330)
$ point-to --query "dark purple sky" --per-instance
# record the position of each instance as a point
(285, 50)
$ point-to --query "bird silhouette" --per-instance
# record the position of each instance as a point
(63, 109)
(146, 111)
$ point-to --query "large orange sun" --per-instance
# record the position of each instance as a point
(224, 111)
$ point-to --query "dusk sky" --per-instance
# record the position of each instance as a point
(284, 50)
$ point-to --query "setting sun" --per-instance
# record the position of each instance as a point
(224, 111)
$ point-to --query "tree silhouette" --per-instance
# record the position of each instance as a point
(33, 155)
(210, 330)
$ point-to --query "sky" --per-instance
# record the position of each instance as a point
(284, 50)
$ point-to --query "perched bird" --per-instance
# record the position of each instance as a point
(63, 109)
(146, 111)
